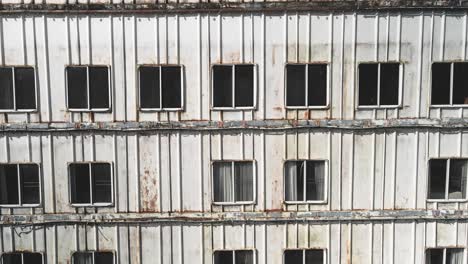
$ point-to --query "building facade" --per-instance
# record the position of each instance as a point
(234, 132)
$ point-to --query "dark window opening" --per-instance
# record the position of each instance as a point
(22, 258)
(242, 82)
(233, 257)
(160, 84)
(88, 87)
(451, 256)
(300, 256)
(302, 90)
(91, 183)
(233, 181)
(19, 184)
(93, 258)
(440, 83)
(309, 188)
(460, 83)
(379, 84)
(449, 83)
(456, 177)
(17, 88)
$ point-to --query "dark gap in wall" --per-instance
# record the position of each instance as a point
(171, 87)
(77, 87)
(389, 82)
(317, 85)
(368, 76)
(440, 84)
(25, 88)
(222, 86)
(6, 88)
(149, 87)
(460, 83)
(99, 87)
(244, 82)
(295, 85)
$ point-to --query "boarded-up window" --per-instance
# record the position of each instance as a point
(233, 86)
(306, 85)
(379, 84)
(447, 179)
(304, 256)
(88, 88)
(17, 88)
(305, 180)
(233, 257)
(19, 184)
(449, 83)
(444, 256)
(233, 181)
(160, 87)
(93, 258)
(90, 183)
(22, 258)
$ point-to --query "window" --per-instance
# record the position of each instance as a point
(19, 184)
(304, 180)
(304, 256)
(233, 181)
(93, 258)
(379, 84)
(88, 88)
(449, 83)
(444, 256)
(22, 258)
(234, 257)
(233, 86)
(17, 89)
(160, 87)
(91, 183)
(306, 85)
(447, 178)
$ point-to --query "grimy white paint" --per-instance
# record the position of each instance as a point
(376, 208)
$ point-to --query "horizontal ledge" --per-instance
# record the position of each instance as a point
(207, 7)
(236, 217)
(240, 125)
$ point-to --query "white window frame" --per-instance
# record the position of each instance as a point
(254, 172)
(14, 109)
(254, 254)
(91, 204)
(182, 90)
(325, 194)
(89, 109)
(378, 105)
(234, 107)
(20, 204)
(22, 255)
(324, 250)
(328, 81)
(450, 105)
(92, 252)
(445, 253)
(447, 180)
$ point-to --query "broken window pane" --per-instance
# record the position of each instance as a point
(9, 184)
(103, 258)
(435, 256)
(295, 85)
(99, 87)
(317, 85)
(32, 258)
(460, 83)
(315, 180)
(223, 257)
(458, 176)
(149, 87)
(437, 178)
(244, 90)
(25, 93)
(222, 86)
(102, 187)
(29, 174)
(440, 84)
(6, 88)
(293, 256)
(244, 257)
(368, 80)
(171, 86)
(389, 83)
(243, 179)
(223, 182)
(314, 256)
(77, 84)
(80, 185)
